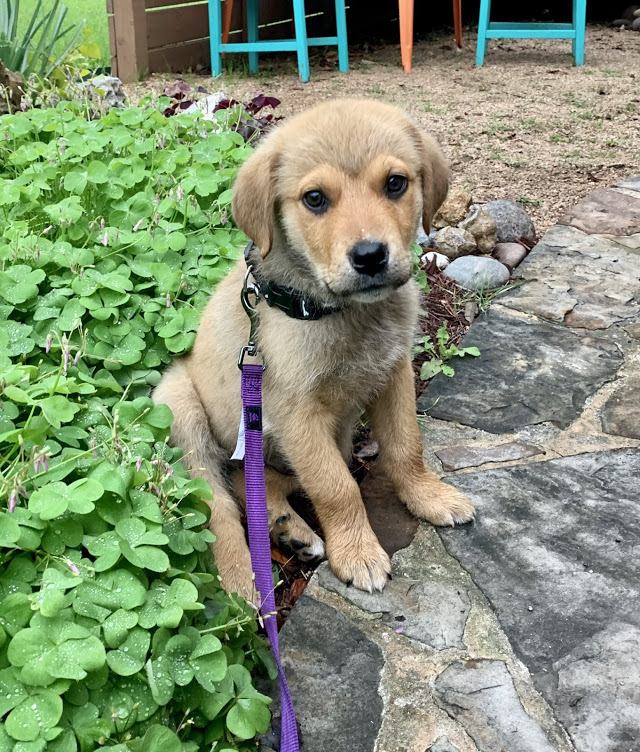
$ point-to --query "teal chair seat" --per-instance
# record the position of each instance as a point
(488, 29)
(253, 46)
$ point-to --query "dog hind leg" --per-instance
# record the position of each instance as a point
(204, 457)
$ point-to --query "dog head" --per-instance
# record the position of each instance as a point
(344, 186)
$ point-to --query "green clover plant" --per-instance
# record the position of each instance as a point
(114, 631)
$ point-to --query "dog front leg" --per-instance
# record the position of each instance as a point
(394, 424)
(307, 435)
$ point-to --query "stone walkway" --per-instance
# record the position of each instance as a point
(520, 633)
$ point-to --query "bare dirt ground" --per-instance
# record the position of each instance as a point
(528, 125)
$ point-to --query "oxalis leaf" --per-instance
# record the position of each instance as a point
(35, 714)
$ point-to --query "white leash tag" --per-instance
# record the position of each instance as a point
(238, 452)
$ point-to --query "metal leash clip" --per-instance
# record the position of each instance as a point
(249, 288)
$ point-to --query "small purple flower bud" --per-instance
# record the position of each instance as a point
(36, 464)
(12, 501)
(136, 227)
(73, 567)
(168, 301)
(76, 358)
(224, 218)
(45, 463)
(180, 193)
(105, 239)
(138, 464)
(47, 345)
(66, 361)
(102, 224)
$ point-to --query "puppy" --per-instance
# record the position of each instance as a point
(332, 200)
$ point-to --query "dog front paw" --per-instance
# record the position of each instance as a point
(362, 562)
(236, 575)
(439, 503)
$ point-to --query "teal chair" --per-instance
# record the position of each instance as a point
(488, 29)
(253, 46)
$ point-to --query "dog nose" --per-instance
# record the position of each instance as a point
(369, 257)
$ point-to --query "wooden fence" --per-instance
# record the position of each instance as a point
(161, 36)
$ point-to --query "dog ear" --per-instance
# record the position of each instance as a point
(435, 179)
(254, 194)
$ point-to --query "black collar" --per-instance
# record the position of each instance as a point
(295, 303)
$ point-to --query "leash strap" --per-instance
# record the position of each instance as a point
(259, 544)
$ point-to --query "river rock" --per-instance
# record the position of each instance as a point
(442, 262)
(512, 221)
(483, 228)
(454, 209)
(454, 242)
(107, 90)
(635, 24)
(477, 273)
(510, 254)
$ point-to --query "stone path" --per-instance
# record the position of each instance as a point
(520, 633)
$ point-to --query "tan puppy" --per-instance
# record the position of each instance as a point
(332, 199)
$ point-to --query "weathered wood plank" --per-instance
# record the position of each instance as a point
(181, 58)
(130, 32)
(177, 25)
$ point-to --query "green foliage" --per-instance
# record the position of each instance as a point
(114, 631)
(32, 50)
(440, 353)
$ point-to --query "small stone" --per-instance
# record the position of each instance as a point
(107, 90)
(633, 330)
(454, 242)
(510, 254)
(483, 228)
(442, 262)
(635, 24)
(477, 273)
(471, 311)
(454, 209)
(512, 221)
(459, 457)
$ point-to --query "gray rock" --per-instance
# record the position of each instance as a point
(333, 671)
(483, 228)
(510, 254)
(597, 698)
(512, 221)
(537, 373)
(477, 273)
(577, 279)
(632, 183)
(107, 89)
(621, 413)
(459, 457)
(442, 744)
(454, 242)
(434, 613)
(555, 550)
(635, 24)
(482, 697)
(426, 241)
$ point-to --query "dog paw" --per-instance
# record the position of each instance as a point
(292, 534)
(440, 504)
(363, 563)
(237, 576)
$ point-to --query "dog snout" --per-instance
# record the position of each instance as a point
(369, 257)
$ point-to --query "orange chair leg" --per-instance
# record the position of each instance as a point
(406, 32)
(457, 21)
(226, 21)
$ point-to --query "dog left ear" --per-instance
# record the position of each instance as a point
(435, 179)
(254, 193)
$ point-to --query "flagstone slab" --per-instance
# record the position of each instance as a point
(632, 183)
(482, 696)
(528, 372)
(621, 413)
(556, 550)
(605, 211)
(577, 279)
(460, 457)
(333, 671)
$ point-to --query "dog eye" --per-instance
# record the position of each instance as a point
(316, 201)
(396, 185)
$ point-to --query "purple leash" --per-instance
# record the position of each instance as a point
(257, 519)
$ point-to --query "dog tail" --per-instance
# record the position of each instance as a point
(204, 458)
